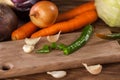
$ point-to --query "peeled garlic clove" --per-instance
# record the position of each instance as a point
(32, 41)
(53, 38)
(94, 69)
(57, 74)
(28, 48)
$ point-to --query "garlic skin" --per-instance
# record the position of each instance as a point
(32, 41)
(28, 48)
(57, 74)
(93, 69)
(30, 44)
(53, 38)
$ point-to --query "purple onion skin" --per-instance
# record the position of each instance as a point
(24, 5)
(22, 8)
(18, 1)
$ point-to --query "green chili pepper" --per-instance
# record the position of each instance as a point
(48, 48)
(61, 46)
(112, 36)
(45, 49)
(53, 45)
(81, 41)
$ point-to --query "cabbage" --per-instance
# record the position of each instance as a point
(109, 11)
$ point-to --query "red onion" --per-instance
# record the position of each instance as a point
(24, 5)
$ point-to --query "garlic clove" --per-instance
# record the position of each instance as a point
(28, 48)
(93, 69)
(32, 41)
(53, 38)
(57, 74)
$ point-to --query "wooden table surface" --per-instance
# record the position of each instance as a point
(109, 71)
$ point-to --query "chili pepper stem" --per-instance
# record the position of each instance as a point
(112, 36)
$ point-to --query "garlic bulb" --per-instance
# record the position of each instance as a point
(30, 44)
(53, 38)
(57, 74)
(28, 48)
(93, 69)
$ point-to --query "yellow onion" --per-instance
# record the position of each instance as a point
(43, 13)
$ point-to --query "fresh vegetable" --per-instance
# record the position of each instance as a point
(45, 49)
(93, 69)
(112, 36)
(21, 7)
(57, 74)
(24, 5)
(53, 38)
(43, 13)
(32, 42)
(49, 48)
(61, 46)
(8, 22)
(28, 48)
(68, 26)
(24, 31)
(53, 45)
(109, 11)
(81, 41)
(75, 11)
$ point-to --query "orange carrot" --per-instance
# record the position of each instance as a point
(68, 26)
(76, 11)
(24, 31)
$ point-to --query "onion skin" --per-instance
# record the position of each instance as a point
(43, 13)
(24, 5)
(8, 22)
(20, 7)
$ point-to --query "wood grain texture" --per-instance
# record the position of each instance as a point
(96, 51)
(109, 72)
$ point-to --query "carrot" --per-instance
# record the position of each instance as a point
(68, 26)
(76, 11)
(24, 31)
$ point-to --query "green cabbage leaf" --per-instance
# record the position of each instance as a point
(109, 11)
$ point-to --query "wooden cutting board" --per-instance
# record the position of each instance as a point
(14, 62)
